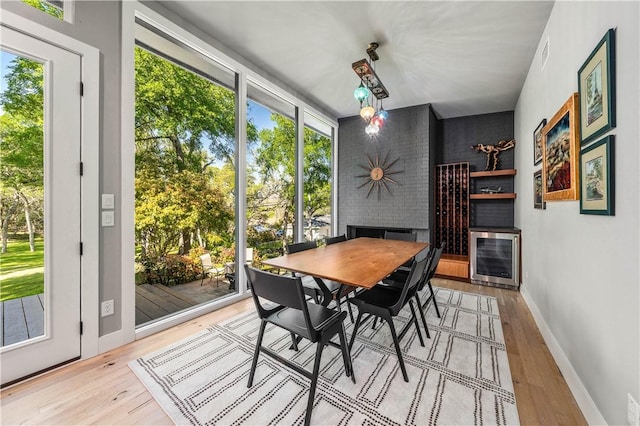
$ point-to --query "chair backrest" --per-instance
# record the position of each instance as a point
(402, 236)
(333, 240)
(434, 263)
(284, 290)
(205, 261)
(416, 274)
(296, 247)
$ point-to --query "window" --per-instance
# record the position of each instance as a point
(185, 229)
(54, 8)
(317, 179)
(271, 137)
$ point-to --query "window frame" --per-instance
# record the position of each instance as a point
(244, 76)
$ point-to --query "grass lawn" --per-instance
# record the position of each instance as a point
(19, 258)
(21, 286)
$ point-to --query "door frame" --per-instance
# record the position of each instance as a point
(89, 184)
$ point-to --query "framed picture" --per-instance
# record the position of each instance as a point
(537, 142)
(560, 150)
(597, 186)
(596, 85)
(538, 202)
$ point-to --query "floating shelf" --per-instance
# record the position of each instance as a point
(497, 196)
(506, 172)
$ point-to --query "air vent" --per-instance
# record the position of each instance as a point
(545, 54)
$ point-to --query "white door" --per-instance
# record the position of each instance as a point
(53, 336)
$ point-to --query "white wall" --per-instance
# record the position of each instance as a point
(580, 272)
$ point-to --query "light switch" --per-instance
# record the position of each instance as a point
(108, 218)
(108, 201)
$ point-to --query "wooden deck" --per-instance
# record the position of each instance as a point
(21, 319)
(155, 301)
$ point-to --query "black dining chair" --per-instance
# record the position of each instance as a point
(311, 286)
(386, 303)
(292, 313)
(433, 265)
(336, 239)
(322, 291)
(402, 236)
(346, 289)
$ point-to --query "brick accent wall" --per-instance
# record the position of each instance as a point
(406, 136)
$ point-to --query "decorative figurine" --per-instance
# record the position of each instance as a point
(492, 151)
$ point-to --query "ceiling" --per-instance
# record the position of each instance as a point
(464, 58)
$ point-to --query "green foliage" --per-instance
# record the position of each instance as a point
(275, 160)
(21, 286)
(18, 257)
(184, 124)
(170, 270)
(45, 7)
(21, 125)
(21, 144)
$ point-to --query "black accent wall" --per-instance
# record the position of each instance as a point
(454, 139)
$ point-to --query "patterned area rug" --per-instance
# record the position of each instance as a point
(461, 376)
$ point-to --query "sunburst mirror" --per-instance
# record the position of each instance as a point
(378, 173)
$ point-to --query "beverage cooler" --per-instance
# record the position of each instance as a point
(495, 257)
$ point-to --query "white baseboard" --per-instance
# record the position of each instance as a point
(580, 393)
(111, 341)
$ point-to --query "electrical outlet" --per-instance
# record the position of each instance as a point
(633, 411)
(107, 308)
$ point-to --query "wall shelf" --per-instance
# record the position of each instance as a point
(493, 173)
(497, 196)
(489, 173)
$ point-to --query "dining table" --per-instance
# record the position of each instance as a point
(360, 262)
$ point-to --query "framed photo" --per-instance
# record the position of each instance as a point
(538, 202)
(560, 150)
(597, 186)
(537, 142)
(597, 88)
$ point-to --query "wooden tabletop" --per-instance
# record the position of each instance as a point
(360, 262)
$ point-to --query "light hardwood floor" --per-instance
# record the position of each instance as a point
(103, 390)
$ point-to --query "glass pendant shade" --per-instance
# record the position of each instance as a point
(372, 129)
(377, 120)
(383, 114)
(367, 112)
(361, 93)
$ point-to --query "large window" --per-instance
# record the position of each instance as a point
(185, 229)
(317, 179)
(270, 174)
(211, 181)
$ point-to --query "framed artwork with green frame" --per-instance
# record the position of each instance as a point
(597, 89)
(597, 185)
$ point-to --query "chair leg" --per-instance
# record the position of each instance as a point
(349, 309)
(424, 320)
(294, 342)
(389, 321)
(314, 382)
(433, 297)
(263, 324)
(346, 356)
(415, 322)
(355, 330)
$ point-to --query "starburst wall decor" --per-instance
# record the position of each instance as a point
(378, 174)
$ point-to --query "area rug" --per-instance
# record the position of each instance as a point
(460, 377)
